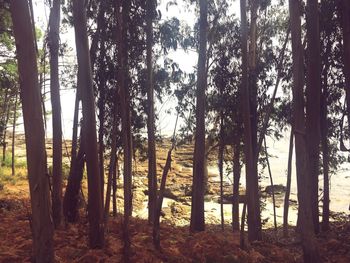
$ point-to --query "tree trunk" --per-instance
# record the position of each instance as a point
(111, 169)
(273, 188)
(152, 159)
(115, 175)
(71, 197)
(54, 38)
(313, 92)
(253, 202)
(236, 178)
(122, 13)
(5, 132)
(42, 227)
(325, 158)
(197, 207)
(13, 135)
(221, 168)
(309, 242)
(289, 181)
(95, 202)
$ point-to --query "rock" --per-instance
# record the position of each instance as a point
(278, 188)
(228, 199)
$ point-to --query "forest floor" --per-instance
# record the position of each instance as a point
(178, 244)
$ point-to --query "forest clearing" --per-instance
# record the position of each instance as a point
(178, 244)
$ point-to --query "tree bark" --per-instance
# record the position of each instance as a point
(72, 195)
(42, 227)
(95, 202)
(54, 38)
(236, 178)
(253, 203)
(221, 168)
(197, 208)
(313, 92)
(122, 13)
(14, 134)
(309, 243)
(152, 159)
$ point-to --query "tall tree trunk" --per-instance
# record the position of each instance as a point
(197, 208)
(289, 181)
(122, 9)
(115, 177)
(273, 187)
(325, 158)
(111, 169)
(14, 134)
(152, 159)
(42, 227)
(221, 168)
(236, 178)
(95, 202)
(254, 222)
(54, 38)
(313, 92)
(309, 242)
(5, 133)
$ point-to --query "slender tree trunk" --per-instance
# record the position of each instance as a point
(95, 202)
(324, 135)
(236, 178)
(309, 242)
(152, 159)
(54, 38)
(313, 92)
(111, 169)
(345, 13)
(221, 169)
(272, 185)
(5, 133)
(198, 189)
(122, 9)
(325, 159)
(14, 134)
(254, 222)
(289, 181)
(115, 175)
(42, 227)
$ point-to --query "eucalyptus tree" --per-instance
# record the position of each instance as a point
(309, 243)
(42, 226)
(53, 43)
(197, 206)
(95, 204)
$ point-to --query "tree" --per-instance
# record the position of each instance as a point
(197, 207)
(122, 12)
(254, 223)
(42, 227)
(53, 43)
(152, 158)
(95, 202)
(313, 101)
(308, 239)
